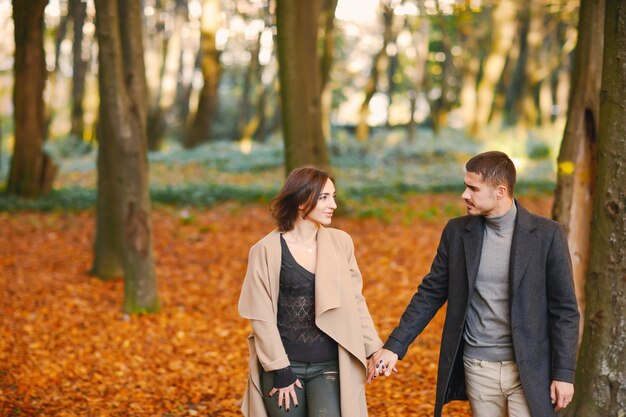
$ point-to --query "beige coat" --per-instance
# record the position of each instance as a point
(340, 311)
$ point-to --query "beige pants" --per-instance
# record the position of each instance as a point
(494, 389)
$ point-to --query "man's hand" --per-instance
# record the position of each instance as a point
(561, 394)
(382, 362)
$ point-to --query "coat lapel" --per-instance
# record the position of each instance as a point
(274, 256)
(521, 247)
(327, 285)
(473, 244)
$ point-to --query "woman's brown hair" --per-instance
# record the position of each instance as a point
(302, 188)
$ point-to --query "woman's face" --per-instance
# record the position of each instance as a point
(326, 205)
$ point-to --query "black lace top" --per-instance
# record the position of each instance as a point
(302, 339)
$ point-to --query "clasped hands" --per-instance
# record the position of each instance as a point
(382, 362)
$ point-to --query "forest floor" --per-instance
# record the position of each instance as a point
(66, 349)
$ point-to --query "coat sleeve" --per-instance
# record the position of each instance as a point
(370, 335)
(256, 302)
(431, 294)
(563, 312)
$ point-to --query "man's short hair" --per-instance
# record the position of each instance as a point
(496, 168)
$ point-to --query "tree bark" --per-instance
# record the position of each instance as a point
(59, 36)
(469, 41)
(393, 64)
(516, 85)
(569, 34)
(573, 197)
(327, 30)
(440, 106)
(200, 129)
(378, 63)
(300, 84)
(161, 104)
(504, 27)
(78, 11)
(421, 37)
(534, 40)
(251, 90)
(122, 156)
(601, 377)
(32, 171)
(183, 93)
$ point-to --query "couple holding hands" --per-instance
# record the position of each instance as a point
(511, 330)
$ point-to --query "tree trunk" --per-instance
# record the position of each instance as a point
(78, 11)
(504, 27)
(392, 68)
(275, 122)
(327, 29)
(535, 38)
(155, 50)
(469, 41)
(200, 129)
(122, 155)
(601, 376)
(550, 57)
(244, 122)
(161, 105)
(59, 36)
(561, 93)
(1, 165)
(569, 35)
(421, 37)
(573, 197)
(253, 119)
(32, 171)
(183, 93)
(440, 106)
(515, 88)
(297, 25)
(378, 64)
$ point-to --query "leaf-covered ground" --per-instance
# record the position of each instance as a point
(67, 350)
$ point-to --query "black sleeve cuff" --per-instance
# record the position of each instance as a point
(284, 377)
(396, 347)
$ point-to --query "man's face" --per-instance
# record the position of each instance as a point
(480, 197)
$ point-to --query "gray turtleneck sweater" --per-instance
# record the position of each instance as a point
(488, 322)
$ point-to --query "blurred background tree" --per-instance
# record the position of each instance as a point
(32, 170)
(601, 374)
(578, 154)
(213, 75)
(123, 238)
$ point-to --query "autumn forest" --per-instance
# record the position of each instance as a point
(141, 142)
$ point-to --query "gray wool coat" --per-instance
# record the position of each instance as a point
(544, 314)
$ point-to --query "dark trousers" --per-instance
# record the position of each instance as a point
(318, 397)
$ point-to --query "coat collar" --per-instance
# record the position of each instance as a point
(327, 280)
(327, 283)
(473, 245)
(521, 247)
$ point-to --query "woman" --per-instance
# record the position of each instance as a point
(311, 329)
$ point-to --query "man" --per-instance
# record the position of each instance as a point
(511, 330)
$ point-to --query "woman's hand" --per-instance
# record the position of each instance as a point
(382, 362)
(287, 395)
